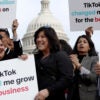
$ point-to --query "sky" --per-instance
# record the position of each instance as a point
(27, 10)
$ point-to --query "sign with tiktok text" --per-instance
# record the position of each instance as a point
(18, 79)
(83, 14)
(7, 13)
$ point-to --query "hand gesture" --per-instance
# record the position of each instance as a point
(14, 25)
(42, 95)
(75, 61)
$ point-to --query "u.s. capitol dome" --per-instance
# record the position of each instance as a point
(44, 18)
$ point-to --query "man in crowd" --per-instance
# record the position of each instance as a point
(13, 46)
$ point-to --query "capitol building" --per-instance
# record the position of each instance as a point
(44, 18)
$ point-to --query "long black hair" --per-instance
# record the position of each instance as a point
(52, 37)
(92, 51)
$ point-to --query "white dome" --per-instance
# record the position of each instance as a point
(44, 18)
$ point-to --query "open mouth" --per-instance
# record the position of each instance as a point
(81, 47)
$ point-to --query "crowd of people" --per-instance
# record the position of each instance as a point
(59, 67)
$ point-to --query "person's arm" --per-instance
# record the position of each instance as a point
(90, 77)
(14, 29)
(18, 50)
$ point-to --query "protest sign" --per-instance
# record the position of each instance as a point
(18, 79)
(7, 13)
(83, 14)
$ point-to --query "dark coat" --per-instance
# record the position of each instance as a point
(16, 52)
(9, 54)
(54, 73)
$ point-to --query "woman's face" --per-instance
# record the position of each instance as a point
(2, 50)
(83, 46)
(42, 42)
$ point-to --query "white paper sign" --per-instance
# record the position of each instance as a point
(18, 79)
(83, 14)
(7, 13)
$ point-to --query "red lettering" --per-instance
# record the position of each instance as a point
(97, 19)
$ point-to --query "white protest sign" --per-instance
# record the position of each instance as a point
(7, 13)
(18, 79)
(83, 14)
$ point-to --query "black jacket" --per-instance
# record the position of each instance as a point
(54, 73)
(16, 52)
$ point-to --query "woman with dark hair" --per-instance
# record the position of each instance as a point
(91, 51)
(54, 68)
(84, 57)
